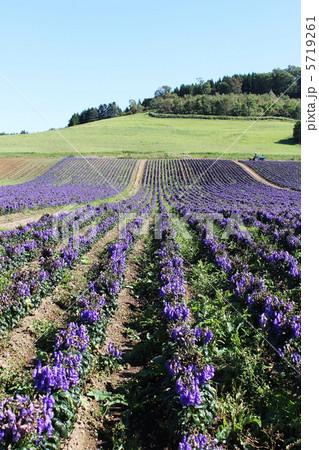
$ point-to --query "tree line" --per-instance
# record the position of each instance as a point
(275, 93)
(104, 111)
(228, 105)
(278, 81)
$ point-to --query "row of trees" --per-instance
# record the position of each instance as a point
(104, 111)
(278, 81)
(238, 95)
(92, 114)
(228, 105)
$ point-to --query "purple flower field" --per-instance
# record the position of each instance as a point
(217, 305)
(71, 180)
(282, 173)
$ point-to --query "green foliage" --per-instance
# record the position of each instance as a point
(134, 107)
(215, 98)
(255, 394)
(94, 114)
(256, 402)
(106, 363)
(297, 132)
(277, 81)
(228, 104)
(45, 331)
(107, 399)
(190, 246)
(15, 381)
(163, 91)
(75, 120)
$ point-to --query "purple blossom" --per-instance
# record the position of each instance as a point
(112, 350)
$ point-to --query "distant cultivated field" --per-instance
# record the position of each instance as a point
(19, 170)
(141, 136)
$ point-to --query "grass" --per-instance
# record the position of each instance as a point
(142, 136)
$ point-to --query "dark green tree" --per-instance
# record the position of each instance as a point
(163, 91)
(102, 111)
(83, 116)
(223, 87)
(92, 115)
(235, 85)
(113, 110)
(132, 109)
(75, 120)
(282, 81)
(247, 85)
(295, 91)
(297, 132)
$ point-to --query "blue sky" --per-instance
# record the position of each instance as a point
(64, 57)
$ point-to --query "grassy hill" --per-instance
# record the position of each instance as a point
(149, 137)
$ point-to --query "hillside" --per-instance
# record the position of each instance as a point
(141, 136)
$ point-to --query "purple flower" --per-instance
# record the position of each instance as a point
(112, 350)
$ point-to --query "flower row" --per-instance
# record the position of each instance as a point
(59, 380)
(187, 365)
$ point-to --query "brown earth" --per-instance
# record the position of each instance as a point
(13, 355)
(9, 221)
(19, 170)
(20, 350)
(138, 173)
(89, 422)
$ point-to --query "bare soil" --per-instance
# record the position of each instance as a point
(20, 349)
(18, 170)
(138, 173)
(16, 356)
(9, 221)
(89, 423)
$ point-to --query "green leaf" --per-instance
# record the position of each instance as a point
(109, 397)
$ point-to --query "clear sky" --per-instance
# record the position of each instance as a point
(66, 56)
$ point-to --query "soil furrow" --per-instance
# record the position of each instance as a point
(138, 173)
(15, 355)
(90, 422)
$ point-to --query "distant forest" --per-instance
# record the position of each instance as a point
(275, 93)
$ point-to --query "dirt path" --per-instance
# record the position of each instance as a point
(89, 423)
(138, 173)
(9, 221)
(257, 176)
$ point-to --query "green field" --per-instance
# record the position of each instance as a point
(142, 136)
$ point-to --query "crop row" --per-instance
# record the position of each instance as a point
(71, 180)
(187, 364)
(283, 173)
(281, 316)
(26, 287)
(253, 243)
(59, 383)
